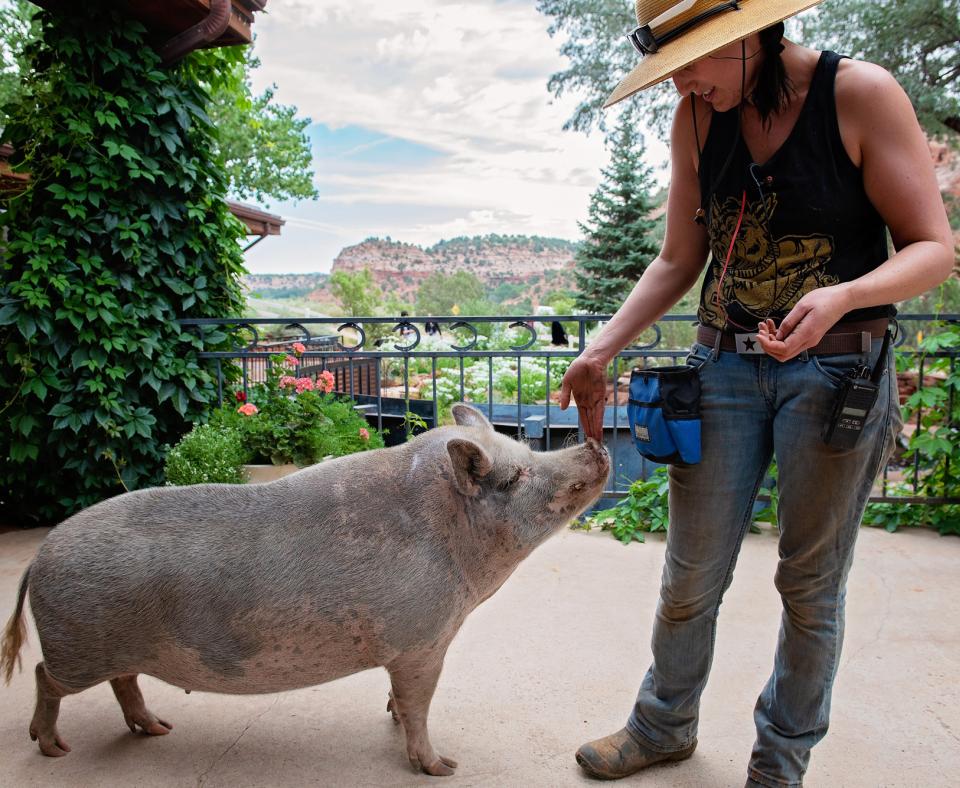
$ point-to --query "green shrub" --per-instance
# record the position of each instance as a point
(206, 454)
(645, 509)
(937, 441)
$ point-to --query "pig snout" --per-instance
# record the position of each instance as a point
(598, 455)
(587, 468)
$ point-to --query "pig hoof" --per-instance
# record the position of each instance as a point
(158, 728)
(152, 727)
(54, 746)
(442, 767)
(392, 708)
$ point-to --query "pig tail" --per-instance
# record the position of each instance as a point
(15, 634)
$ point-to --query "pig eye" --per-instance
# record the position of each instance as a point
(577, 487)
(514, 478)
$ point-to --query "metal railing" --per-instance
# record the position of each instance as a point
(504, 366)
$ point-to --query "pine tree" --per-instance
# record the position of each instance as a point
(619, 241)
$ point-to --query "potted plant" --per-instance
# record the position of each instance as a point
(276, 427)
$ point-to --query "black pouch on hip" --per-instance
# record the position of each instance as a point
(855, 398)
(664, 413)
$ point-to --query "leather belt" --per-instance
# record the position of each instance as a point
(850, 337)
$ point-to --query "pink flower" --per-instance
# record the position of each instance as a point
(247, 410)
(287, 380)
(303, 384)
(299, 348)
(241, 396)
(291, 361)
(325, 381)
(364, 435)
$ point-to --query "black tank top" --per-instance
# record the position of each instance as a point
(804, 217)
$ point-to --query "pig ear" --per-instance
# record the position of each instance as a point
(466, 416)
(470, 463)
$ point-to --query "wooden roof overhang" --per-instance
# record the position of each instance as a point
(258, 222)
(176, 27)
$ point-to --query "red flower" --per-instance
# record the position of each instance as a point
(325, 381)
(241, 396)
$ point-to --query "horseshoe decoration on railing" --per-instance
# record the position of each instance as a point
(306, 334)
(659, 333)
(899, 337)
(357, 328)
(472, 343)
(416, 341)
(254, 343)
(533, 335)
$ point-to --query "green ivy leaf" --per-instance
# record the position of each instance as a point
(21, 451)
(27, 325)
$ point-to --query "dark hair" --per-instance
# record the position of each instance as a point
(774, 88)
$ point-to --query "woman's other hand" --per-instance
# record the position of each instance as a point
(805, 325)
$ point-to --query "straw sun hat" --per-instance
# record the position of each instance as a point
(671, 35)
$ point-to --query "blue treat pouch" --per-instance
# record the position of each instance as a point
(664, 413)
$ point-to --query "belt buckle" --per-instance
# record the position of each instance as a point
(748, 344)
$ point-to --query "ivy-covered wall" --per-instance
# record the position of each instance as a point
(122, 230)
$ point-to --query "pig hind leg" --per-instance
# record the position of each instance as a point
(413, 680)
(135, 712)
(43, 726)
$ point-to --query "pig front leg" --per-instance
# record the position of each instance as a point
(413, 678)
(135, 711)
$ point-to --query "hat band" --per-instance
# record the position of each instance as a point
(646, 43)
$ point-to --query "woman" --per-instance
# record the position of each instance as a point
(787, 166)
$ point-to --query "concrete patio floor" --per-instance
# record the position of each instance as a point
(552, 660)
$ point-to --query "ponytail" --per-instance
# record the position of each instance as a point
(774, 88)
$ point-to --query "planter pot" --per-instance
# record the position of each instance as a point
(258, 474)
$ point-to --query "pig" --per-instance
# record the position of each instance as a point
(373, 559)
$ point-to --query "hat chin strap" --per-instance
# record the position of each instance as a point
(736, 136)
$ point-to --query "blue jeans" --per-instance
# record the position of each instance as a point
(755, 408)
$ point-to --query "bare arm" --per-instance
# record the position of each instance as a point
(662, 284)
(881, 133)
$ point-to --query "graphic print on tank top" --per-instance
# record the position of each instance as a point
(766, 275)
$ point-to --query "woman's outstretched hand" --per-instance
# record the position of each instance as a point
(586, 381)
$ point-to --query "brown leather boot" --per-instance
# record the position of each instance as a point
(620, 754)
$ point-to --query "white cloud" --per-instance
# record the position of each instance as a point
(467, 79)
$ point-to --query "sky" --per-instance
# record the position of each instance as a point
(430, 119)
